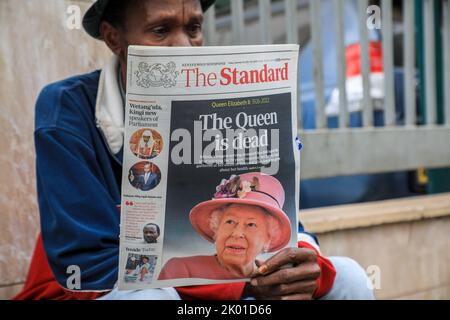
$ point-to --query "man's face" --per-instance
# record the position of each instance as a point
(169, 23)
(241, 236)
(164, 23)
(150, 234)
(147, 168)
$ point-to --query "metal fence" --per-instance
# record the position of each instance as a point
(369, 149)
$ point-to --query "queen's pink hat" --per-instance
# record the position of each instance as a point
(250, 188)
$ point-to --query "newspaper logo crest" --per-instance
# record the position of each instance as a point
(156, 75)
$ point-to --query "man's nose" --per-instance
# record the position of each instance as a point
(181, 39)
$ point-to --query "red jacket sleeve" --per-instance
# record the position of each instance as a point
(327, 272)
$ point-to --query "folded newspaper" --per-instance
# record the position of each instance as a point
(211, 163)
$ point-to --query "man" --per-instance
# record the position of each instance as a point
(145, 148)
(79, 146)
(151, 233)
(148, 180)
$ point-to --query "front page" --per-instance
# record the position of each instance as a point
(211, 165)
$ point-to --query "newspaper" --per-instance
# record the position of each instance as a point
(211, 165)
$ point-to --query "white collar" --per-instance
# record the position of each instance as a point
(109, 108)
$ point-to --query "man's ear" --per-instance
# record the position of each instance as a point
(112, 37)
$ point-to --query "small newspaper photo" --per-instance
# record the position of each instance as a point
(211, 168)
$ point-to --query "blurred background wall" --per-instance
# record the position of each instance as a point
(36, 48)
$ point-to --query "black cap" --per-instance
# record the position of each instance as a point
(93, 17)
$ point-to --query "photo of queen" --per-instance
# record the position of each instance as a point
(244, 219)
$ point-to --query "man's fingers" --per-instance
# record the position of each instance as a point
(304, 271)
(287, 256)
(256, 272)
(298, 290)
(259, 263)
(308, 287)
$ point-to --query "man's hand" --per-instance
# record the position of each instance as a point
(291, 274)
